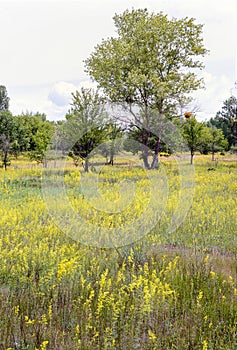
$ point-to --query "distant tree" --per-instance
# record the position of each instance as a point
(85, 123)
(192, 131)
(114, 135)
(8, 135)
(37, 131)
(213, 140)
(226, 120)
(4, 99)
(148, 69)
(40, 141)
(22, 140)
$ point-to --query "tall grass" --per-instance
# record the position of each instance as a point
(166, 291)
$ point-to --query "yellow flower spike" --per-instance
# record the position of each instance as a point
(77, 329)
(212, 274)
(44, 319)
(16, 310)
(204, 345)
(43, 346)
(151, 335)
(199, 297)
(50, 311)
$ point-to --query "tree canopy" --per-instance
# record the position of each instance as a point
(149, 64)
(193, 131)
(85, 124)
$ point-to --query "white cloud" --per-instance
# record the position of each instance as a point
(44, 43)
(210, 100)
(61, 93)
(52, 99)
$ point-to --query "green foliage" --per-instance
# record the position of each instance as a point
(149, 64)
(193, 133)
(213, 141)
(114, 142)
(166, 291)
(145, 63)
(8, 134)
(135, 139)
(85, 124)
(37, 132)
(225, 120)
(4, 99)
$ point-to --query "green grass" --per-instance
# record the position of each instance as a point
(169, 290)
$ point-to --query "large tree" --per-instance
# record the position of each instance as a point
(148, 65)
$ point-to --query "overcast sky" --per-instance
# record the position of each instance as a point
(44, 43)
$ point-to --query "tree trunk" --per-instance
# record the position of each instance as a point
(145, 141)
(145, 159)
(155, 159)
(191, 160)
(5, 160)
(235, 136)
(44, 162)
(213, 154)
(111, 159)
(86, 168)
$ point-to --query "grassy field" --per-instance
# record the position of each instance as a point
(166, 290)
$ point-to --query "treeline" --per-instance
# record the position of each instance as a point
(88, 126)
(27, 133)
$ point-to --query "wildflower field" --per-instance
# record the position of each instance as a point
(166, 290)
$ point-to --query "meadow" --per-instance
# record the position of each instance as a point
(163, 290)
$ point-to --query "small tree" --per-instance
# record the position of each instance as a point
(215, 140)
(192, 132)
(41, 140)
(85, 123)
(37, 132)
(114, 134)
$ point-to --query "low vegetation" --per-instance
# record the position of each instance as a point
(165, 291)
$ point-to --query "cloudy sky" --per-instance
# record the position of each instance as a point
(44, 44)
